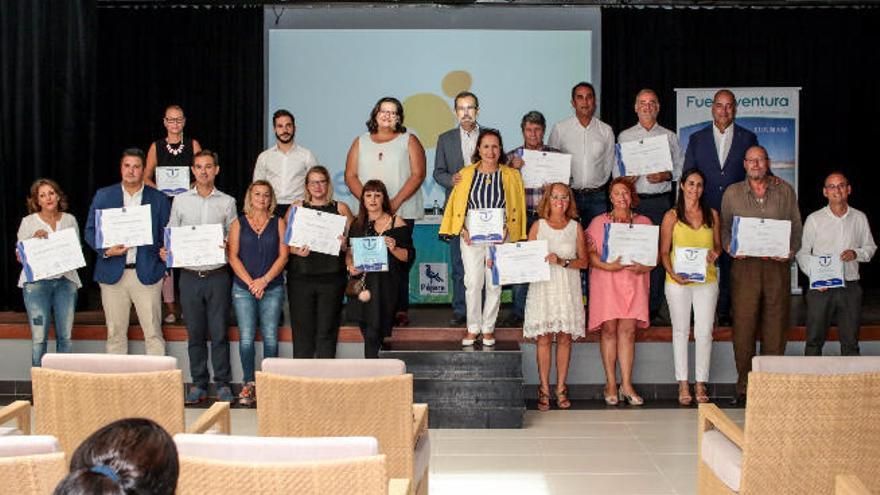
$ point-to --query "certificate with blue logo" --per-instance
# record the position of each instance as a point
(50, 257)
(760, 237)
(631, 243)
(690, 263)
(370, 254)
(172, 180)
(826, 271)
(486, 225)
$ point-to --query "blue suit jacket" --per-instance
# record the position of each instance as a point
(447, 158)
(701, 154)
(149, 266)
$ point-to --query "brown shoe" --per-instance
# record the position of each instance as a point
(543, 400)
(248, 395)
(562, 401)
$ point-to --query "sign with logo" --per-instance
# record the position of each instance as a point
(433, 279)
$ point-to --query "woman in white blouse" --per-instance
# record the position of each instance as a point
(52, 298)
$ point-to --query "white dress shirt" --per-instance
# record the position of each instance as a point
(468, 144)
(285, 171)
(827, 233)
(32, 223)
(129, 200)
(191, 208)
(636, 133)
(591, 149)
(723, 140)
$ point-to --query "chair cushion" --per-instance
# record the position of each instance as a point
(723, 457)
(14, 446)
(6, 431)
(108, 363)
(334, 368)
(237, 448)
(816, 365)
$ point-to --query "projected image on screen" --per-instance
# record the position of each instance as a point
(331, 78)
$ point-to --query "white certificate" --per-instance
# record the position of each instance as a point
(194, 245)
(370, 254)
(544, 167)
(632, 243)
(485, 225)
(520, 262)
(644, 156)
(826, 271)
(129, 227)
(690, 263)
(760, 237)
(172, 180)
(47, 258)
(316, 229)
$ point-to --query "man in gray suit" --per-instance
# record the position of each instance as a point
(454, 150)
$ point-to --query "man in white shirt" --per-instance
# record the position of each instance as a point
(837, 230)
(654, 190)
(285, 165)
(590, 142)
(205, 290)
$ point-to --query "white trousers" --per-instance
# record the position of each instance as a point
(481, 315)
(680, 299)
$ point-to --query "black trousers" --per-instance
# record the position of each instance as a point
(654, 207)
(315, 311)
(205, 302)
(403, 288)
(846, 303)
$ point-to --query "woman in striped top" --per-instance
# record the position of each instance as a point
(488, 183)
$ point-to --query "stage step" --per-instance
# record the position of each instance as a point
(465, 388)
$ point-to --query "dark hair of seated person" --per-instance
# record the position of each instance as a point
(132, 456)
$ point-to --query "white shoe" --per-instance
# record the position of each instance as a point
(488, 342)
(466, 342)
(170, 318)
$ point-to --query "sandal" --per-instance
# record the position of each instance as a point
(562, 401)
(684, 395)
(248, 395)
(702, 396)
(611, 400)
(543, 400)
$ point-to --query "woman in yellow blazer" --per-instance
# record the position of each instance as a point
(486, 184)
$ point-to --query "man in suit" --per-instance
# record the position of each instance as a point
(131, 274)
(718, 151)
(455, 148)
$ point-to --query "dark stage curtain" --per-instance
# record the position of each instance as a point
(829, 53)
(47, 116)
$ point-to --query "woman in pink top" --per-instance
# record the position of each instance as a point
(618, 296)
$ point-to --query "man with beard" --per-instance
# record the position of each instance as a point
(759, 286)
(285, 164)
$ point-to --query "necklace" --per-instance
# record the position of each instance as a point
(258, 229)
(177, 149)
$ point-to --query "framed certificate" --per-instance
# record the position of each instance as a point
(486, 225)
(316, 229)
(690, 263)
(194, 245)
(370, 254)
(644, 156)
(545, 167)
(826, 272)
(172, 180)
(632, 243)
(129, 227)
(760, 237)
(519, 262)
(50, 257)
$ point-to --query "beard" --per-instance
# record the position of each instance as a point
(281, 138)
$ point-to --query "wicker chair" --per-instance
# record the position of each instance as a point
(807, 419)
(75, 394)
(847, 484)
(221, 465)
(31, 465)
(348, 397)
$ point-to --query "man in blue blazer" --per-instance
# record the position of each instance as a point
(725, 143)
(131, 274)
(453, 152)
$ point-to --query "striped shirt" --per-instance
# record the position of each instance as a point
(486, 191)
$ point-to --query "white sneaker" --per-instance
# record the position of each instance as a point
(170, 318)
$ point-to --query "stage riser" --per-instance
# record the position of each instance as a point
(482, 418)
(471, 393)
(463, 365)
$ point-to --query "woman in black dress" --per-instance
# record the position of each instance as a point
(375, 314)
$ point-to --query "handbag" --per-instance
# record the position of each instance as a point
(356, 284)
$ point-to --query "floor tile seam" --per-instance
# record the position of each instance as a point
(657, 467)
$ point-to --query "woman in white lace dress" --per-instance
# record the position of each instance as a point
(554, 309)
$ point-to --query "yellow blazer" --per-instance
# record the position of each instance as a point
(514, 196)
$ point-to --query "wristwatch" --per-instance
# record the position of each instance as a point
(566, 263)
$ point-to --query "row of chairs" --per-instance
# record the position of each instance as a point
(309, 416)
(807, 420)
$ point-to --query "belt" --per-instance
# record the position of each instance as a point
(589, 190)
(130, 266)
(206, 273)
(654, 195)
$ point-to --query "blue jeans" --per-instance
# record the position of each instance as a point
(459, 308)
(589, 206)
(247, 308)
(47, 300)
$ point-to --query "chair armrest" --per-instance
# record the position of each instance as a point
(216, 415)
(849, 484)
(20, 411)
(398, 486)
(420, 421)
(710, 416)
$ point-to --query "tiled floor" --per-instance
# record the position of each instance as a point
(620, 452)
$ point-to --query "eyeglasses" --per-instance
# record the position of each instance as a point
(387, 112)
(839, 187)
(559, 197)
(175, 121)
